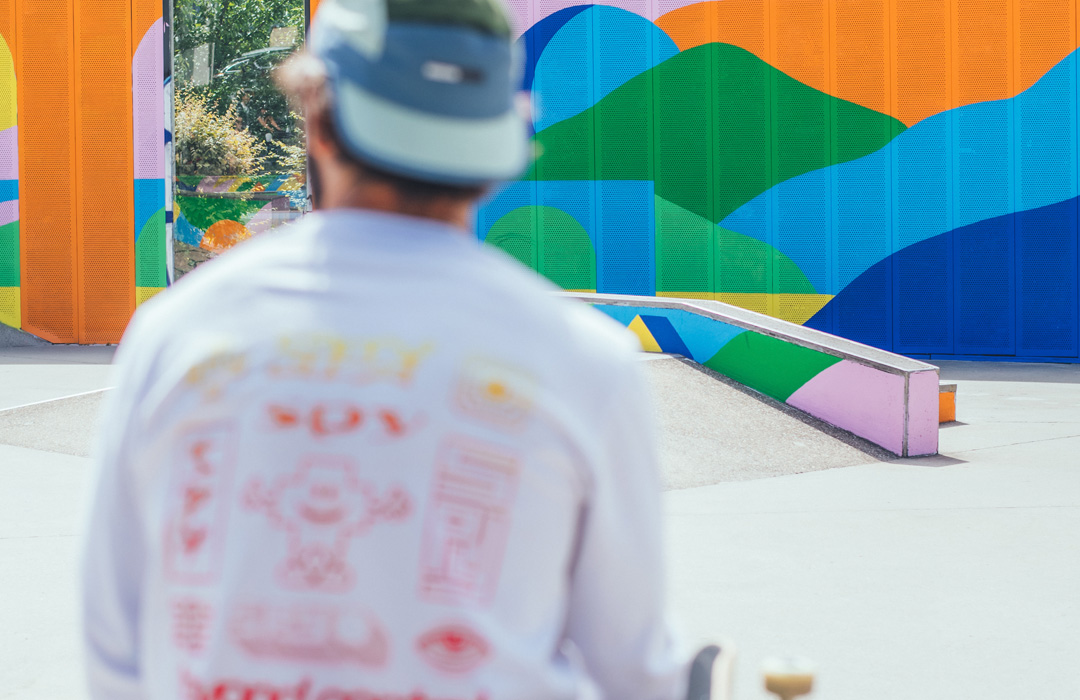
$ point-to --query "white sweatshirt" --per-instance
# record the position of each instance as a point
(364, 458)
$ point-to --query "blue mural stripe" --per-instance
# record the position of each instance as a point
(9, 190)
(936, 182)
(149, 199)
(666, 336)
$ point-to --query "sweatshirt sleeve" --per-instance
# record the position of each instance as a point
(114, 551)
(618, 610)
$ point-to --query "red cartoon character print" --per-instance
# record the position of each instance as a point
(452, 649)
(467, 524)
(322, 507)
(197, 505)
(310, 633)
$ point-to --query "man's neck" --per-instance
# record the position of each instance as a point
(340, 193)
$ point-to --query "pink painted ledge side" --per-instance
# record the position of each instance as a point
(923, 413)
(857, 398)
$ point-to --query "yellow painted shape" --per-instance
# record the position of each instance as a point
(688, 295)
(582, 291)
(794, 308)
(648, 342)
(8, 101)
(11, 306)
(145, 294)
(946, 406)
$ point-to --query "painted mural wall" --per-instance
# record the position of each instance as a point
(899, 172)
(82, 182)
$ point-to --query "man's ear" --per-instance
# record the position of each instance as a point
(321, 145)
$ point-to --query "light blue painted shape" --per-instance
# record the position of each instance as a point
(618, 215)
(149, 200)
(703, 336)
(932, 189)
(186, 233)
(626, 237)
(594, 53)
(9, 190)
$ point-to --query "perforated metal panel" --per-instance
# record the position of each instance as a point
(1046, 136)
(624, 210)
(863, 224)
(750, 146)
(9, 164)
(923, 293)
(625, 238)
(802, 141)
(50, 273)
(984, 254)
(103, 128)
(684, 246)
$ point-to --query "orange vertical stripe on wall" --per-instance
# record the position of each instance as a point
(105, 169)
(45, 76)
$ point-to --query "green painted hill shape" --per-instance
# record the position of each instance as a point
(549, 241)
(714, 127)
(741, 264)
(774, 367)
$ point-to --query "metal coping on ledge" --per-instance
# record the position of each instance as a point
(774, 327)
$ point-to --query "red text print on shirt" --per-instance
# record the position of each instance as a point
(310, 633)
(197, 505)
(191, 624)
(334, 418)
(321, 507)
(196, 689)
(494, 394)
(467, 523)
(452, 648)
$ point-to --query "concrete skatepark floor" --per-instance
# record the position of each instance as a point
(938, 578)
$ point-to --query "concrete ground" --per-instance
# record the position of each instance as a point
(940, 578)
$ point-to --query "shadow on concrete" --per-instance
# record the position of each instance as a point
(934, 461)
(1009, 372)
(49, 354)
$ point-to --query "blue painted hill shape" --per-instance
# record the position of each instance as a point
(1006, 286)
(536, 39)
(951, 170)
(621, 46)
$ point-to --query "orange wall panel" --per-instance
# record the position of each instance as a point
(45, 71)
(105, 168)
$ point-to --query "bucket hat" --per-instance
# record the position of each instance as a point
(425, 89)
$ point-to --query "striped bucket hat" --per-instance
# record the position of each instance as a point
(425, 89)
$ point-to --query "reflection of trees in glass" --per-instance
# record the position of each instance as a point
(209, 143)
(237, 38)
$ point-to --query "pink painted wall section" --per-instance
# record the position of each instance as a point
(923, 414)
(526, 14)
(9, 212)
(857, 398)
(149, 105)
(9, 153)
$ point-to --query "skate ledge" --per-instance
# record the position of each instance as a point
(888, 399)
